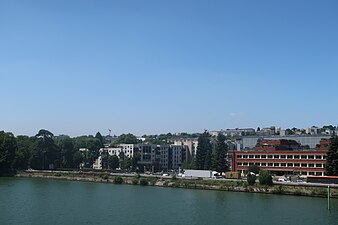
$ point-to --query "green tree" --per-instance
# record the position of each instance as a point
(331, 165)
(8, 147)
(126, 139)
(204, 147)
(251, 179)
(93, 145)
(113, 162)
(265, 178)
(126, 163)
(23, 153)
(77, 159)
(135, 159)
(46, 151)
(219, 154)
(254, 169)
(208, 161)
(100, 138)
(66, 147)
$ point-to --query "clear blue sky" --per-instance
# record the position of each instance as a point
(146, 67)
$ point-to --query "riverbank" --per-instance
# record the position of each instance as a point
(221, 185)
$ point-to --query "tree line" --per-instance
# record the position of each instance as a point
(210, 154)
(46, 151)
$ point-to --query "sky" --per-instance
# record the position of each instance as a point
(150, 67)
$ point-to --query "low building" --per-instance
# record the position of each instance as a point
(281, 157)
(281, 162)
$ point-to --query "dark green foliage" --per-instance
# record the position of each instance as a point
(46, 153)
(144, 181)
(203, 149)
(135, 180)
(66, 147)
(113, 162)
(134, 161)
(219, 154)
(126, 164)
(126, 139)
(208, 161)
(118, 180)
(331, 165)
(254, 169)
(99, 137)
(77, 159)
(8, 147)
(251, 179)
(23, 153)
(265, 178)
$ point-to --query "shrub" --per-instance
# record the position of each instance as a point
(265, 178)
(143, 181)
(251, 179)
(135, 180)
(254, 169)
(118, 180)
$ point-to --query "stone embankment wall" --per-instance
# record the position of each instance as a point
(236, 186)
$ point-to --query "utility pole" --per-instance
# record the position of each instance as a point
(328, 198)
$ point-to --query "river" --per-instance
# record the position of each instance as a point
(44, 202)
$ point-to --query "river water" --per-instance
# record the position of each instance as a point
(42, 201)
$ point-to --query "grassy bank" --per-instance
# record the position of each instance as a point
(237, 186)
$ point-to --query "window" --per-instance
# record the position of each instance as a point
(303, 157)
(283, 164)
(290, 157)
(303, 173)
(319, 165)
(251, 156)
(263, 164)
(276, 164)
(318, 173)
(257, 164)
(303, 165)
(245, 156)
(290, 165)
(245, 164)
(311, 173)
(257, 156)
(296, 156)
(263, 156)
(276, 156)
(283, 156)
(270, 164)
(318, 157)
(311, 165)
(239, 156)
(324, 156)
(250, 164)
(269, 156)
(296, 165)
(310, 156)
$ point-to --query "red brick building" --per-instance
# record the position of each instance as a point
(323, 145)
(275, 145)
(280, 157)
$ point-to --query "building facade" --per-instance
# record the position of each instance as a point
(281, 162)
